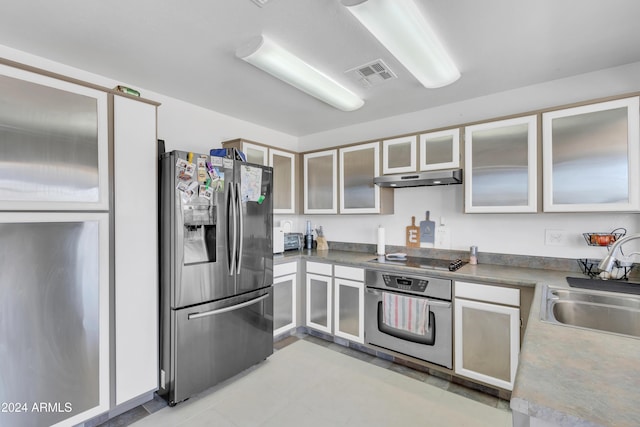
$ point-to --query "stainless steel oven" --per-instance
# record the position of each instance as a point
(409, 314)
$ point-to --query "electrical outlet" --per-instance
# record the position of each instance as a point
(555, 238)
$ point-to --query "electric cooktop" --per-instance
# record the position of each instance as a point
(418, 262)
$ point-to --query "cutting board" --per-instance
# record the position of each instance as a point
(427, 232)
(413, 234)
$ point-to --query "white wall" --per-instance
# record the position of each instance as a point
(504, 233)
(182, 125)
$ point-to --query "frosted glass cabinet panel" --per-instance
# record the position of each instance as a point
(440, 150)
(319, 302)
(359, 165)
(284, 180)
(255, 153)
(591, 157)
(321, 182)
(54, 149)
(500, 163)
(399, 155)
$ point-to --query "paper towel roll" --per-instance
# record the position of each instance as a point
(381, 250)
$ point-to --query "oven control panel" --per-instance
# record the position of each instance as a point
(405, 283)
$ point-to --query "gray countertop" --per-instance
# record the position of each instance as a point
(566, 376)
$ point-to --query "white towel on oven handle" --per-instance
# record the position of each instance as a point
(405, 313)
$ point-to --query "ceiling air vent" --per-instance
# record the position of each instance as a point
(372, 73)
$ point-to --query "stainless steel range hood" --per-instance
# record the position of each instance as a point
(420, 179)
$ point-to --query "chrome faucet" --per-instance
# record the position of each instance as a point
(606, 265)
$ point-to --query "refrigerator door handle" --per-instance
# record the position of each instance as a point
(227, 309)
(241, 221)
(231, 223)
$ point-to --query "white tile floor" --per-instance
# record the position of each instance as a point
(308, 385)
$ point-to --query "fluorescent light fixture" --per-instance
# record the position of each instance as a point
(402, 29)
(268, 56)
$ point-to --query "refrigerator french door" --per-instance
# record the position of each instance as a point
(216, 270)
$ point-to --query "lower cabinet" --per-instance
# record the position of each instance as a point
(349, 303)
(319, 285)
(487, 333)
(335, 300)
(285, 285)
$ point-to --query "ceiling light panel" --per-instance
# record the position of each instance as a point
(404, 32)
(282, 64)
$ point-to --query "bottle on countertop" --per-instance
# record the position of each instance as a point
(473, 255)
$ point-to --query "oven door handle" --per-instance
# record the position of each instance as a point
(431, 302)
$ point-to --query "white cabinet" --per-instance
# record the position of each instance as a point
(487, 333)
(321, 182)
(501, 166)
(284, 181)
(136, 263)
(285, 283)
(319, 296)
(349, 303)
(399, 155)
(359, 165)
(440, 150)
(591, 157)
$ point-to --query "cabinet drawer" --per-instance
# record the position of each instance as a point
(352, 273)
(495, 294)
(319, 268)
(283, 269)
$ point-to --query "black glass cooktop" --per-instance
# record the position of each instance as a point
(417, 262)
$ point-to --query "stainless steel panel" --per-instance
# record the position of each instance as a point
(435, 288)
(49, 149)
(282, 169)
(399, 155)
(486, 346)
(256, 242)
(318, 312)
(439, 150)
(590, 160)
(49, 319)
(500, 166)
(359, 171)
(349, 310)
(320, 182)
(210, 348)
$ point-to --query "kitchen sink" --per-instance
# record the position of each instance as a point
(616, 314)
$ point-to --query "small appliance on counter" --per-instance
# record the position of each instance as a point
(293, 241)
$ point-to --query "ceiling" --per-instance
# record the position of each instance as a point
(186, 49)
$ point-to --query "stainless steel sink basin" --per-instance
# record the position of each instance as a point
(616, 314)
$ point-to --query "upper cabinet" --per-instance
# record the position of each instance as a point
(284, 181)
(284, 171)
(440, 150)
(359, 165)
(500, 166)
(64, 128)
(590, 157)
(399, 155)
(321, 182)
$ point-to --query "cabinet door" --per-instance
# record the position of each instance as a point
(284, 303)
(54, 147)
(284, 181)
(440, 150)
(349, 309)
(319, 302)
(321, 182)
(359, 165)
(136, 263)
(500, 166)
(255, 153)
(590, 158)
(487, 342)
(399, 155)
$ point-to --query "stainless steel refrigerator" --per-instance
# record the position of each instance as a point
(216, 270)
